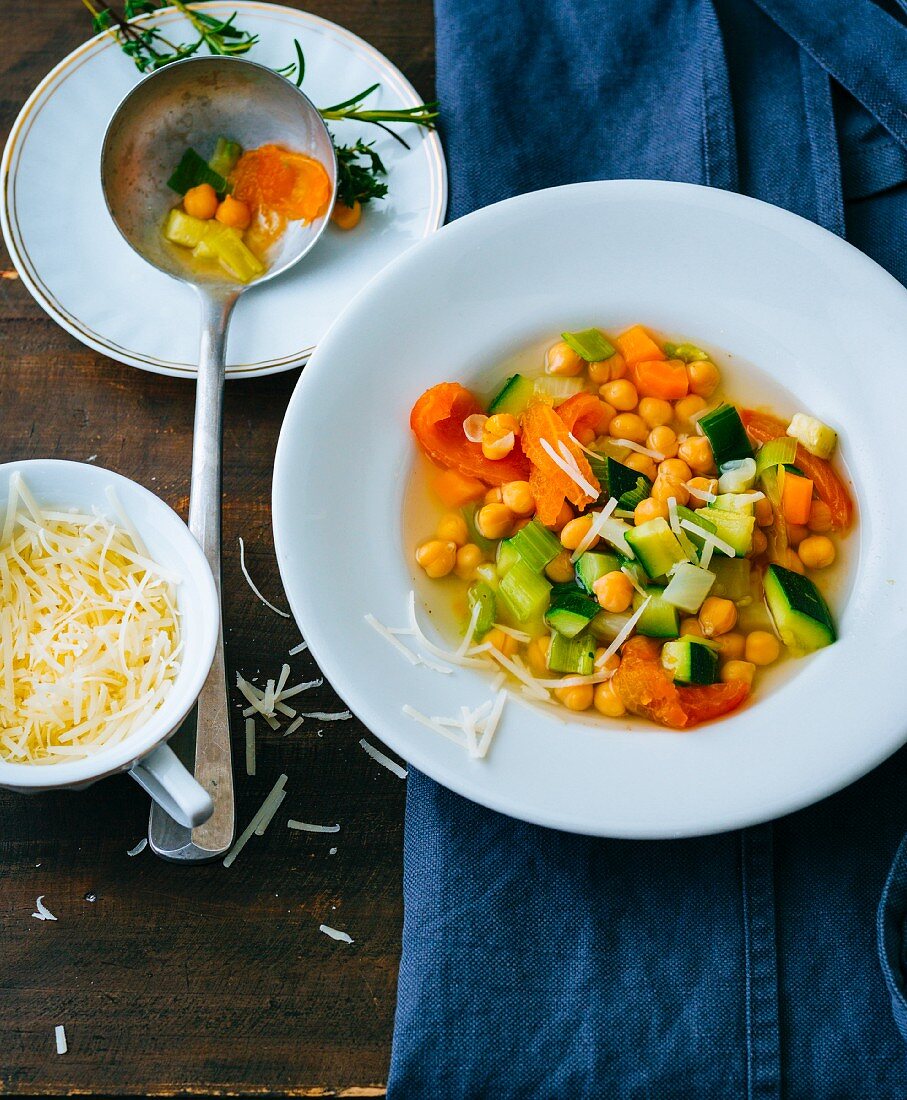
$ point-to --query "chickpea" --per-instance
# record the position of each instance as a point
(642, 464)
(494, 521)
(519, 524)
(469, 558)
(201, 201)
(796, 533)
(562, 359)
(704, 377)
(621, 395)
(614, 591)
(499, 435)
(717, 616)
(600, 372)
(731, 645)
(537, 654)
(704, 484)
(738, 670)
(563, 517)
(666, 487)
(762, 647)
(765, 514)
(607, 701)
(628, 426)
(518, 497)
(759, 545)
(234, 213)
(494, 495)
(697, 453)
(816, 551)
(689, 406)
(655, 412)
(437, 558)
(575, 531)
(560, 569)
(820, 518)
(664, 440)
(611, 665)
(675, 468)
(618, 366)
(691, 626)
(650, 508)
(452, 528)
(576, 698)
(584, 435)
(346, 217)
(503, 643)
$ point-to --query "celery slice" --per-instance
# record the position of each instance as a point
(576, 655)
(777, 452)
(535, 545)
(524, 592)
(591, 344)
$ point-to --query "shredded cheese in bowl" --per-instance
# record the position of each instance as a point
(90, 638)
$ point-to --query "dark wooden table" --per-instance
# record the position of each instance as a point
(199, 980)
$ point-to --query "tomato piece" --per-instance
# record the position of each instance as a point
(644, 686)
(702, 704)
(584, 410)
(646, 689)
(437, 422)
(550, 485)
(761, 427)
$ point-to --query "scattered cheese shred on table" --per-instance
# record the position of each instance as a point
(260, 821)
(89, 632)
(301, 648)
(305, 827)
(250, 746)
(60, 1037)
(139, 848)
(329, 716)
(384, 761)
(43, 913)
(335, 934)
(251, 583)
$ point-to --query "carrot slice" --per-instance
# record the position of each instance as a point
(455, 489)
(550, 484)
(796, 498)
(584, 410)
(636, 345)
(646, 689)
(437, 422)
(761, 427)
(664, 378)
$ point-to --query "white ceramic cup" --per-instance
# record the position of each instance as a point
(144, 753)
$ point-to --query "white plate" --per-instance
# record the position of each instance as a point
(86, 277)
(821, 322)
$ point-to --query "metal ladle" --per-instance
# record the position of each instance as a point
(189, 104)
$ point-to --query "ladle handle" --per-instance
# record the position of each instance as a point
(213, 757)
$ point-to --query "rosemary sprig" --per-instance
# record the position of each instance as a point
(359, 166)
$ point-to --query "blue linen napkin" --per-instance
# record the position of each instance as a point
(538, 964)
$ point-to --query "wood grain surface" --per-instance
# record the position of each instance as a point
(172, 980)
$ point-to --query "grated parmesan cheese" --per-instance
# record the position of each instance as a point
(260, 821)
(334, 934)
(305, 827)
(89, 631)
(139, 848)
(384, 761)
(640, 450)
(60, 1039)
(566, 462)
(43, 913)
(250, 746)
(251, 583)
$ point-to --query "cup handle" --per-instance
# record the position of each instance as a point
(162, 775)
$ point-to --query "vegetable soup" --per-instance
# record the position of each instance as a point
(621, 537)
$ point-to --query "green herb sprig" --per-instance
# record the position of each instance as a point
(360, 169)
